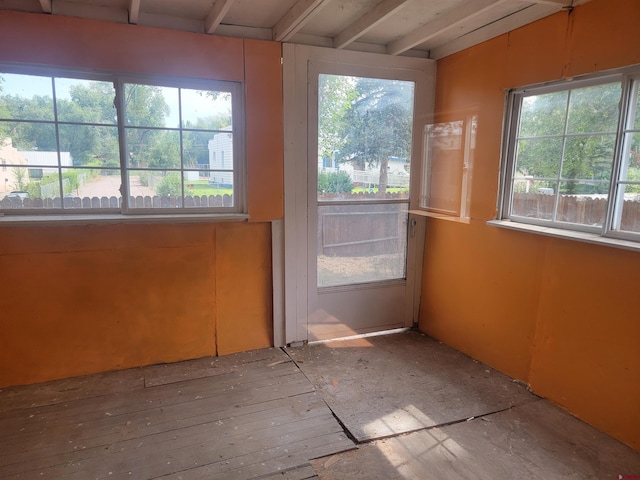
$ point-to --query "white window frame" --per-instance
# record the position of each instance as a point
(129, 212)
(609, 233)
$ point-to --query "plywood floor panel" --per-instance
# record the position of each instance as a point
(392, 384)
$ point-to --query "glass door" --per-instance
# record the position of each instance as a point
(361, 153)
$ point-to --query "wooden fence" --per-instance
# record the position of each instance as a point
(361, 230)
(157, 201)
(583, 210)
(363, 196)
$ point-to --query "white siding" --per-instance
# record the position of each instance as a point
(221, 157)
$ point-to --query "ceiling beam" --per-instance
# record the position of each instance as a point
(217, 13)
(443, 22)
(296, 18)
(379, 14)
(45, 5)
(134, 11)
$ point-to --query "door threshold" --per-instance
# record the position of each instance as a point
(362, 335)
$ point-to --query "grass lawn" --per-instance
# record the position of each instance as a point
(202, 187)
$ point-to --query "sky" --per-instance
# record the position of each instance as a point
(194, 103)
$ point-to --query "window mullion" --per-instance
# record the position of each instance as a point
(124, 187)
(180, 126)
(57, 133)
(514, 104)
(616, 195)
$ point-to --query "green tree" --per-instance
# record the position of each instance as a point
(145, 106)
(336, 93)
(164, 152)
(170, 185)
(195, 141)
(21, 176)
(90, 145)
(334, 182)
(378, 125)
(4, 113)
(584, 159)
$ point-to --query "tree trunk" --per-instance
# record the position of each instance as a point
(384, 178)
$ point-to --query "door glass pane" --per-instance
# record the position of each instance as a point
(361, 243)
(364, 138)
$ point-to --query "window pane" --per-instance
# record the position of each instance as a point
(220, 151)
(24, 188)
(221, 181)
(588, 210)
(154, 189)
(205, 109)
(91, 188)
(26, 97)
(153, 148)
(589, 159)
(198, 147)
(543, 114)
(594, 109)
(200, 193)
(538, 202)
(85, 101)
(25, 168)
(364, 138)
(27, 136)
(539, 158)
(361, 243)
(82, 189)
(88, 145)
(151, 106)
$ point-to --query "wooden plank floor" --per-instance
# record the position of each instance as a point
(251, 415)
(392, 384)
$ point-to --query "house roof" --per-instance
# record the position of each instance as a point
(47, 159)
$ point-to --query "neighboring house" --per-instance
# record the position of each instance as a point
(10, 167)
(39, 161)
(221, 158)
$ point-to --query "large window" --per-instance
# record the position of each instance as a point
(572, 156)
(78, 143)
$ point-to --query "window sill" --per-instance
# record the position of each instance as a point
(441, 216)
(567, 234)
(111, 218)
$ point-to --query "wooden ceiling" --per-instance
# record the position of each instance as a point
(426, 28)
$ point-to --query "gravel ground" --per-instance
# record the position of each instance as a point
(346, 270)
(109, 186)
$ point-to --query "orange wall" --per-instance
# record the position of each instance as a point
(84, 299)
(560, 315)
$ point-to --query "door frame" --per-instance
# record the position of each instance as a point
(296, 60)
